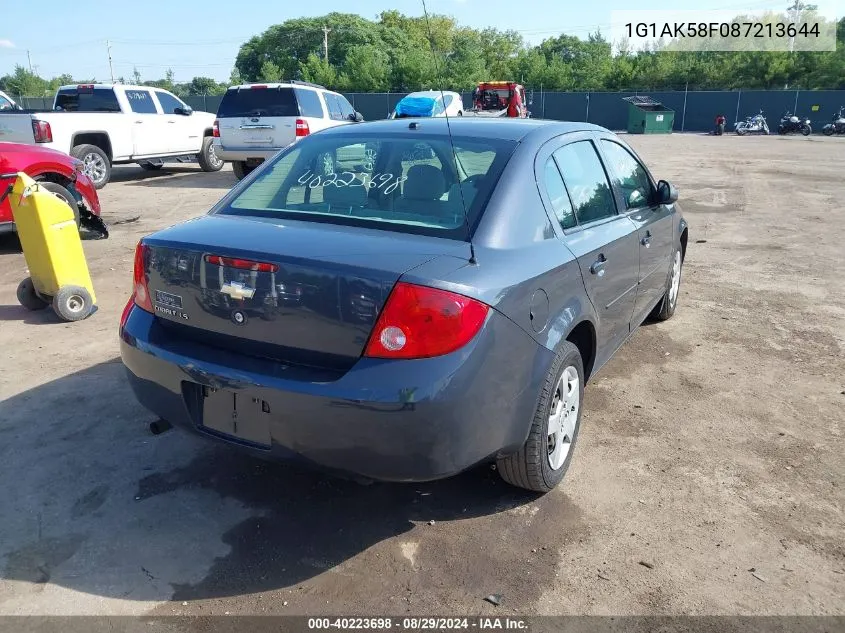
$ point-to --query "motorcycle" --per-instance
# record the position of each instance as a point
(838, 125)
(791, 123)
(752, 125)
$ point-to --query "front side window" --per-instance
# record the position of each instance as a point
(141, 102)
(346, 109)
(333, 106)
(5, 104)
(629, 175)
(586, 181)
(168, 102)
(403, 183)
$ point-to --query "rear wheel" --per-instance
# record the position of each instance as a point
(207, 158)
(64, 195)
(96, 164)
(544, 459)
(241, 169)
(28, 298)
(73, 303)
(806, 130)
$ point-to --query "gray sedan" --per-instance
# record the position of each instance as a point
(439, 305)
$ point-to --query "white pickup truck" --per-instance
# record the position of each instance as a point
(107, 124)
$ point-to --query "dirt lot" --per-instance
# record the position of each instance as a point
(712, 444)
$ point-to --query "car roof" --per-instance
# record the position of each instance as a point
(280, 84)
(493, 128)
(430, 93)
(114, 85)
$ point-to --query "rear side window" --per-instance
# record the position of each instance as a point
(309, 103)
(586, 181)
(168, 102)
(561, 205)
(409, 184)
(141, 101)
(258, 102)
(87, 100)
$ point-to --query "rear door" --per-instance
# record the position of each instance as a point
(150, 134)
(603, 240)
(260, 117)
(636, 194)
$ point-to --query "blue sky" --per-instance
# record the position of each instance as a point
(202, 37)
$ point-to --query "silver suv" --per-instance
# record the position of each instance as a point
(254, 121)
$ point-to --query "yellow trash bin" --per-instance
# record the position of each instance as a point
(53, 250)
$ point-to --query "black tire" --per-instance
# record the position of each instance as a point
(529, 467)
(241, 169)
(781, 129)
(65, 195)
(207, 158)
(806, 130)
(151, 166)
(828, 131)
(664, 310)
(93, 154)
(28, 298)
(73, 303)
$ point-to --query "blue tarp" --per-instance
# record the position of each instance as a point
(419, 106)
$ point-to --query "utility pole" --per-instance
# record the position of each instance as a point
(326, 31)
(796, 10)
(111, 67)
(29, 59)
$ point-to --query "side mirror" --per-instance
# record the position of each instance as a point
(186, 111)
(666, 193)
(357, 117)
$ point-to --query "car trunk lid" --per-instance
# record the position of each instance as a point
(297, 292)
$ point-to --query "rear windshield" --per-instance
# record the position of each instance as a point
(258, 102)
(400, 182)
(87, 100)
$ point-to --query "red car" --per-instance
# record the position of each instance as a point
(57, 172)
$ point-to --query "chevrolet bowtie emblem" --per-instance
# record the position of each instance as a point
(237, 290)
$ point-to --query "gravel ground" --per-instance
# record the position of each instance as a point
(708, 477)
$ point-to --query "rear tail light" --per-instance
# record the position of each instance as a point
(42, 132)
(421, 322)
(302, 128)
(242, 264)
(215, 129)
(140, 291)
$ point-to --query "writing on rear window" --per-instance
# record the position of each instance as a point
(349, 179)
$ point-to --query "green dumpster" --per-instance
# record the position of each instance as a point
(646, 116)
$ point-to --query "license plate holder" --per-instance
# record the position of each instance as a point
(238, 415)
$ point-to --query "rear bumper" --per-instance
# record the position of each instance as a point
(244, 154)
(465, 407)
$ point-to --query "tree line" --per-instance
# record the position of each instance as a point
(400, 53)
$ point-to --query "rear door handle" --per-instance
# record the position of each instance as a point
(171, 122)
(598, 266)
(646, 241)
(138, 122)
